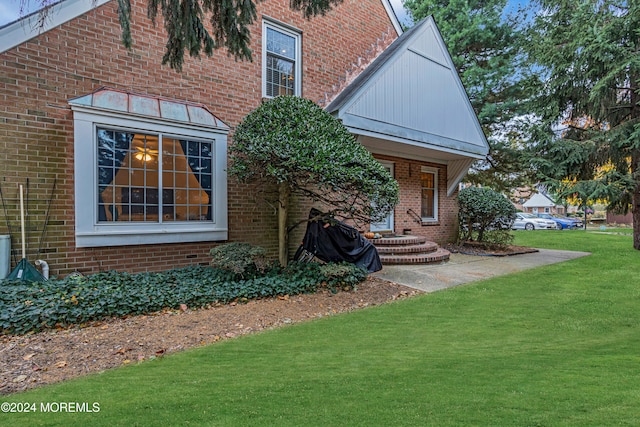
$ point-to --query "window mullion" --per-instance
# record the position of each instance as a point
(160, 183)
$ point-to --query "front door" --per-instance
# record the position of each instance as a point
(386, 225)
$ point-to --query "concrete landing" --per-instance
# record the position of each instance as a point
(462, 269)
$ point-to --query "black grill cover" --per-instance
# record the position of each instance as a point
(335, 241)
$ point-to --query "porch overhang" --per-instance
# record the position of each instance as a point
(457, 162)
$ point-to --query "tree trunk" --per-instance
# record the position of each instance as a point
(635, 211)
(635, 163)
(284, 192)
(635, 201)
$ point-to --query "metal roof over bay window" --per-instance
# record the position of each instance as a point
(142, 105)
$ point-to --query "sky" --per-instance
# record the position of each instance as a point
(10, 10)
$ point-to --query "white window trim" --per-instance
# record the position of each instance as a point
(435, 172)
(379, 226)
(90, 233)
(298, 62)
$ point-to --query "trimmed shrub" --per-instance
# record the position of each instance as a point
(485, 215)
(243, 259)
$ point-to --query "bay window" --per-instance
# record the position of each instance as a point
(147, 179)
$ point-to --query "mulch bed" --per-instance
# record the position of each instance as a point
(32, 360)
(483, 249)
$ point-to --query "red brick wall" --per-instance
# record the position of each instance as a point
(38, 77)
(407, 173)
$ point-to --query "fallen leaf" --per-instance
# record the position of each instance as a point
(184, 307)
(61, 364)
(28, 356)
(160, 352)
(126, 361)
(19, 378)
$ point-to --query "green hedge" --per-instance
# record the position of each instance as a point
(34, 306)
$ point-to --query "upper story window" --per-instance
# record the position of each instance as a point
(429, 181)
(281, 61)
(147, 170)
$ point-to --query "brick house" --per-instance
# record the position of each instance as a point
(541, 203)
(133, 154)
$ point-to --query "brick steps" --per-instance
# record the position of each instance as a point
(399, 241)
(439, 255)
(409, 250)
(425, 247)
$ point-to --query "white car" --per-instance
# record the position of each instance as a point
(527, 221)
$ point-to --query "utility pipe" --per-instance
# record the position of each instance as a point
(24, 247)
(44, 267)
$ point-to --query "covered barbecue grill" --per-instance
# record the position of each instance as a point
(333, 241)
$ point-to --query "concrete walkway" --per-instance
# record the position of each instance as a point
(469, 268)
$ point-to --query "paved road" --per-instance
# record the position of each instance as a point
(469, 268)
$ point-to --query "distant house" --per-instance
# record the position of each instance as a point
(541, 203)
(138, 151)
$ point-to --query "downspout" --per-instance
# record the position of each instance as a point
(44, 267)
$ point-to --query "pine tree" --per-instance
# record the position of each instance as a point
(588, 144)
(185, 22)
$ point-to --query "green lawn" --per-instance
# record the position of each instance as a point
(553, 346)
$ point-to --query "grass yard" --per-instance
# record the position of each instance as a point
(553, 346)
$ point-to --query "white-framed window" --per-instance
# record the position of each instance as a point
(429, 183)
(281, 60)
(146, 180)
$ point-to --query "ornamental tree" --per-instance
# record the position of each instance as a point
(295, 145)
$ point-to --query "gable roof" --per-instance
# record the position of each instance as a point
(539, 200)
(410, 101)
(24, 29)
